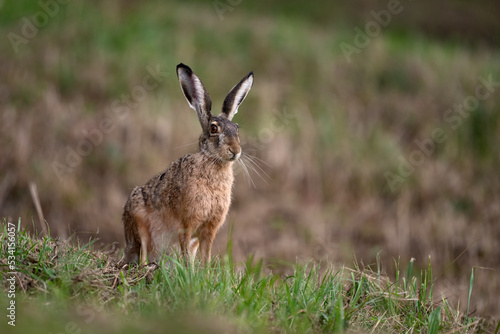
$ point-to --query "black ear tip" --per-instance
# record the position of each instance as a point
(184, 67)
(250, 74)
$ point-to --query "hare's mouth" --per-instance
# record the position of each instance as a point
(233, 156)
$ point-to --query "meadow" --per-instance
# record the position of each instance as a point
(74, 289)
(376, 147)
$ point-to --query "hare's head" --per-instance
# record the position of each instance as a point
(220, 136)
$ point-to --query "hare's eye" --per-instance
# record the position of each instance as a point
(213, 128)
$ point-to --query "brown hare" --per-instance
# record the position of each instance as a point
(190, 200)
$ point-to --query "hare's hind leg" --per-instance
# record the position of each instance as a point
(146, 240)
(131, 254)
(137, 237)
(132, 240)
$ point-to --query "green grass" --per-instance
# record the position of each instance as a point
(73, 288)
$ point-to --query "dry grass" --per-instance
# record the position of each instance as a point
(326, 129)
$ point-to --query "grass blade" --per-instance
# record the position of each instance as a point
(434, 320)
(471, 284)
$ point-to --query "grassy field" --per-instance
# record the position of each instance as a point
(373, 157)
(81, 290)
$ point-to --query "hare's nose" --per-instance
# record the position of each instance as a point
(235, 154)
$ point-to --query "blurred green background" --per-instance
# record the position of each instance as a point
(377, 124)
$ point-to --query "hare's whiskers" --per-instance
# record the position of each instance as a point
(250, 164)
(255, 163)
(253, 157)
(186, 145)
(246, 173)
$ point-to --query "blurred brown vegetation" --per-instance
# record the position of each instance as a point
(327, 130)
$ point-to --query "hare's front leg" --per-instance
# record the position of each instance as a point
(185, 242)
(206, 248)
(207, 236)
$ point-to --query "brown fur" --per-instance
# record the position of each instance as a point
(190, 200)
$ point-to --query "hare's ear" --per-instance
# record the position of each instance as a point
(195, 93)
(236, 95)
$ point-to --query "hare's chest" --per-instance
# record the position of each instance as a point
(209, 200)
(216, 198)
